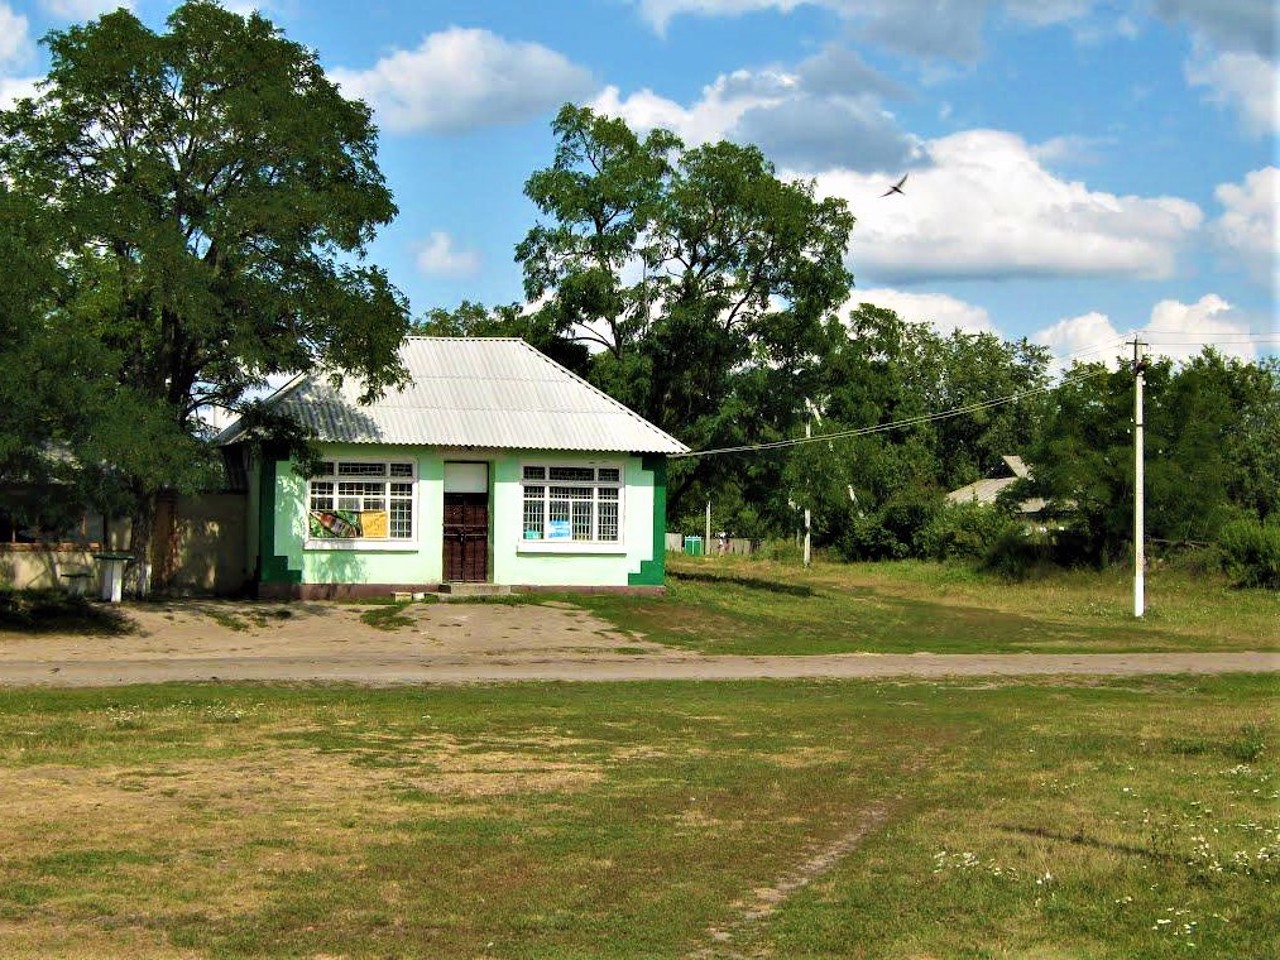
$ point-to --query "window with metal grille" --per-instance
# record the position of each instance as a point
(581, 505)
(373, 507)
(361, 468)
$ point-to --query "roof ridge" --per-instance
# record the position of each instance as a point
(433, 337)
(591, 386)
(617, 427)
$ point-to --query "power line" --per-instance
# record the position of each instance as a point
(1219, 339)
(896, 424)
(1096, 348)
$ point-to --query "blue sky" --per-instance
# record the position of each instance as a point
(1078, 169)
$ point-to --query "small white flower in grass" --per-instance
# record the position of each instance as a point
(1044, 880)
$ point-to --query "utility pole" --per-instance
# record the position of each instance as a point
(1139, 482)
(706, 543)
(808, 433)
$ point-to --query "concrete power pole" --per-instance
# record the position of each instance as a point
(808, 432)
(706, 543)
(1139, 483)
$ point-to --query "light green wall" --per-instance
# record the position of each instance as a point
(421, 560)
(415, 561)
(512, 566)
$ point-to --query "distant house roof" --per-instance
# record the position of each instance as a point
(986, 491)
(492, 393)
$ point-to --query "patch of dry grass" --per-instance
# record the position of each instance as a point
(646, 820)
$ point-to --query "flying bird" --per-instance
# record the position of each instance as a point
(897, 187)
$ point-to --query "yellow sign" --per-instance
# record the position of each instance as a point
(374, 523)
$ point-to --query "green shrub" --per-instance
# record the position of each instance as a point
(1251, 553)
(1019, 556)
(867, 538)
(965, 531)
(780, 549)
(893, 531)
(1195, 560)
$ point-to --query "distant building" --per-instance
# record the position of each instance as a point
(986, 491)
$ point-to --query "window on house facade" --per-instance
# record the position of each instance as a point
(362, 500)
(572, 503)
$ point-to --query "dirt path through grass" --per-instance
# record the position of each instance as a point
(729, 939)
(473, 643)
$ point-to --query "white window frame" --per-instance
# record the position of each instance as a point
(594, 545)
(382, 544)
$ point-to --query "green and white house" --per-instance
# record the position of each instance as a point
(493, 464)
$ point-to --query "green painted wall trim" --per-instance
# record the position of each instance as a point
(652, 572)
(272, 568)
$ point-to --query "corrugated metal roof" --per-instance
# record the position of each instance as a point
(986, 491)
(495, 393)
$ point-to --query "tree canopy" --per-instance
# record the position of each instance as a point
(1211, 426)
(206, 198)
(706, 293)
(694, 273)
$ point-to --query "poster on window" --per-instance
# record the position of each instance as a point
(559, 530)
(374, 523)
(336, 525)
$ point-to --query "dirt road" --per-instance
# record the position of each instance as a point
(473, 643)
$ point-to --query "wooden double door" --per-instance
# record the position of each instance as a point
(466, 537)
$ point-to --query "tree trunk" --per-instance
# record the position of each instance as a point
(142, 524)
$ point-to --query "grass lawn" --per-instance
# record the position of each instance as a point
(1113, 819)
(737, 605)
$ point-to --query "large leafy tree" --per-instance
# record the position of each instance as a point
(1210, 442)
(700, 278)
(873, 494)
(209, 196)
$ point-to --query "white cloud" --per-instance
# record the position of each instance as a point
(1088, 338)
(245, 8)
(1045, 13)
(438, 257)
(83, 9)
(1246, 81)
(708, 119)
(13, 89)
(1176, 330)
(1180, 330)
(945, 313)
(1246, 231)
(15, 44)
(460, 79)
(659, 13)
(921, 27)
(826, 112)
(987, 209)
(929, 29)
(1070, 149)
(1227, 24)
